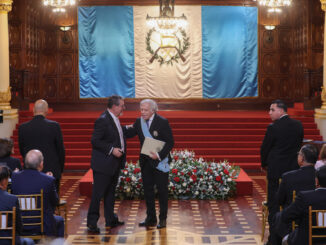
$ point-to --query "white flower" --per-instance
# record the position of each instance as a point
(184, 184)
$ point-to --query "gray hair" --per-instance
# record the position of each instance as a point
(152, 104)
(33, 159)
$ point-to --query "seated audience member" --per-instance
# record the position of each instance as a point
(7, 203)
(302, 179)
(322, 157)
(298, 211)
(6, 147)
(30, 181)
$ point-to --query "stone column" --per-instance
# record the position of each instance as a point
(10, 116)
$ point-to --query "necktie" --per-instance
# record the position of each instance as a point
(120, 134)
(147, 122)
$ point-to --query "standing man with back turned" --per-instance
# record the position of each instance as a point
(154, 168)
(46, 136)
(278, 151)
(108, 158)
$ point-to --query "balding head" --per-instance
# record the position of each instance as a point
(41, 108)
(34, 160)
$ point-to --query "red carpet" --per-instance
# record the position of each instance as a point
(232, 135)
(244, 184)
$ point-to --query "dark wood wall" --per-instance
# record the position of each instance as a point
(44, 59)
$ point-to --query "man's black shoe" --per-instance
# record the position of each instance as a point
(148, 223)
(115, 224)
(93, 229)
(161, 224)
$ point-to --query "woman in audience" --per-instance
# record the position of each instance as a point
(6, 148)
(322, 157)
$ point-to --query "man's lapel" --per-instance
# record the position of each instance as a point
(111, 120)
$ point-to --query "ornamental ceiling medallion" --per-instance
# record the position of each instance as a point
(167, 40)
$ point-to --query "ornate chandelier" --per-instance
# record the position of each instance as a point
(166, 23)
(274, 5)
(59, 5)
(167, 39)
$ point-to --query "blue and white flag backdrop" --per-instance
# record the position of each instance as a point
(221, 61)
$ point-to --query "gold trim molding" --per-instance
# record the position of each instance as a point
(5, 98)
(5, 6)
(323, 4)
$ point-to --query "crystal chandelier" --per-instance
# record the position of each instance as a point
(59, 5)
(166, 23)
(274, 5)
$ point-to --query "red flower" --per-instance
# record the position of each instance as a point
(226, 171)
(176, 158)
(122, 179)
(176, 179)
(182, 173)
(189, 173)
(174, 171)
(218, 178)
(138, 186)
(195, 170)
(140, 180)
(128, 179)
(137, 170)
(194, 177)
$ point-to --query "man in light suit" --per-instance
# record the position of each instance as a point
(278, 151)
(108, 158)
(154, 168)
(298, 211)
(44, 135)
(31, 181)
(7, 203)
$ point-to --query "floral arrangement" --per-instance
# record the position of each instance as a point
(189, 178)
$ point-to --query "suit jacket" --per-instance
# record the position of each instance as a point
(30, 181)
(280, 146)
(302, 179)
(44, 135)
(298, 210)
(105, 137)
(159, 129)
(9, 201)
(11, 162)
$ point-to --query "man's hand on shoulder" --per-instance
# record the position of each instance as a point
(49, 173)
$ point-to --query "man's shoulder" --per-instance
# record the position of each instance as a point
(161, 118)
(9, 197)
(50, 122)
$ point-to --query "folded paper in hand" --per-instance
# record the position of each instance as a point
(151, 145)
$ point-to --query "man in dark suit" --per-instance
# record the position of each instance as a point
(298, 211)
(153, 167)
(278, 151)
(7, 203)
(301, 179)
(30, 181)
(108, 158)
(44, 135)
(6, 146)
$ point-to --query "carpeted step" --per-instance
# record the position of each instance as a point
(199, 151)
(194, 131)
(194, 119)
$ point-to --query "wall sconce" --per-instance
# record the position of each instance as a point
(65, 39)
(65, 28)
